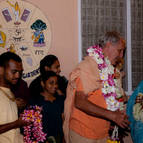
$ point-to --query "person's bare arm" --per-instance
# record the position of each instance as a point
(83, 104)
(13, 125)
(21, 103)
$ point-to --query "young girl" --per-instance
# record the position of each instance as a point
(52, 106)
(48, 63)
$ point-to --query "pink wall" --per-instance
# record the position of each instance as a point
(62, 15)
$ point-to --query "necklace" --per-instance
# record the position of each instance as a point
(11, 98)
(106, 72)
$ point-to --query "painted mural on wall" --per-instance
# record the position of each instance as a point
(26, 31)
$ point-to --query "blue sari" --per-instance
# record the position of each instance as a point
(136, 126)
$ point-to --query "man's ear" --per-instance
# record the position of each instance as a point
(42, 84)
(47, 68)
(1, 71)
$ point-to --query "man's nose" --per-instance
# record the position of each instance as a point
(59, 70)
(17, 75)
(56, 86)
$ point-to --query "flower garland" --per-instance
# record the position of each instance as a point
(109, 85)
(106, 71)
(33, 133)
(138, 108)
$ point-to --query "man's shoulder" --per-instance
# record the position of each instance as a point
(22, 84)
(87, 63)
(3, 97)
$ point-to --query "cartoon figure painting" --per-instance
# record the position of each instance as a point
(12, 48)
(26, 31)
(2, 39)
(6, 14)
(16, 11)
(25, 15)
(38, 35)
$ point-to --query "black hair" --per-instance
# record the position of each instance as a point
(47, 61)
(7, 56)
(46, 75)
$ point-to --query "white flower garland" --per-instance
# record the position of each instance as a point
(106, 71)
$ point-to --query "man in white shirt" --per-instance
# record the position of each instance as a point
(10, 72)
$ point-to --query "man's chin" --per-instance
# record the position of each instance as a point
(14, 82)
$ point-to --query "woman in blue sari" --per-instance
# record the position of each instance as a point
(135, 125)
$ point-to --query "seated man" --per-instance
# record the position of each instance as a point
(10, 72)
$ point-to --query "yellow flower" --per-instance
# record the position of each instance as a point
(38, 120)
(110, 141)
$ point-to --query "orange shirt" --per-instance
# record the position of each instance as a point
(86, 125)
